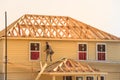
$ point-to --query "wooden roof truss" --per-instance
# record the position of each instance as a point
(69, 65)
(54, 27)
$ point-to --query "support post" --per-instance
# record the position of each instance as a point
(98, 77)
(53, 77)
(84, 77)
(95, 77)
(5, 45)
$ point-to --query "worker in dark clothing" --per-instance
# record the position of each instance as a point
(49, 51)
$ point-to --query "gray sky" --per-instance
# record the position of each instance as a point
(102, 14)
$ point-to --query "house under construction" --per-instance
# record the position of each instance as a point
(81, 52)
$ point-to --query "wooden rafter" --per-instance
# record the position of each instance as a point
(69, 65)
(54, 27)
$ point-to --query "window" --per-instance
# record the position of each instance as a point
(79, 78)
(67, 77)
(101, 51)
(82, 51)
(102, 78)
(34, 51)
(89, 78)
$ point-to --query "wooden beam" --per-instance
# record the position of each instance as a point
(95, 77)
(74, 73)
(98, 77)
(40, 65)
(60, 65)
(39, 74)
(53, 77)
(84, 77)
(63, 39)
(90, 68)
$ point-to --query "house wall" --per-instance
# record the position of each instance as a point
(1, 59)
(1, 55)
(111, 68)
(113, 50)
(62, 49)
(21, 76)
(43, 77)
(21, 65)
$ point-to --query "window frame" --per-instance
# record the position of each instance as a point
(102, 76)
(66, 77)
(89, 77)
(79, 77)
(83, 51)
(98, 51)
(36, 51)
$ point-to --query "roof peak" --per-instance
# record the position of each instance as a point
(44, 15)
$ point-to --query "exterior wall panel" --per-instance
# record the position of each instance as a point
(20, 66)
(113, 52)
(1, 55)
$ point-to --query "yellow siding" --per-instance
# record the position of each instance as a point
(1, 76)
(18, 56)
(91, 51)
(64, 49)
(21, 76)
(112, 70)
(43, 77)
(113, 51)
(1, 55)
(113, 76)
(18, 51)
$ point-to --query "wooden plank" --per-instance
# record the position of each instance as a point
(40, 65)
(74, 73)
(98, 77)
(81, 66)
(39, 74)
(55, 39)
(53, 77)
(84, 77)
(90, 68)
(55, 69)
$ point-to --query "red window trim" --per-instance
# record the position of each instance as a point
(83, 53)
(101, 55)
(34, 54)
(82, 56)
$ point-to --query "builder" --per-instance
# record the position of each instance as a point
(49, 51)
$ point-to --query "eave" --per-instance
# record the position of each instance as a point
(58, 39)
(73, 73)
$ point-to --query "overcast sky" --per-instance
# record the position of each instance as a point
(102, 14)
